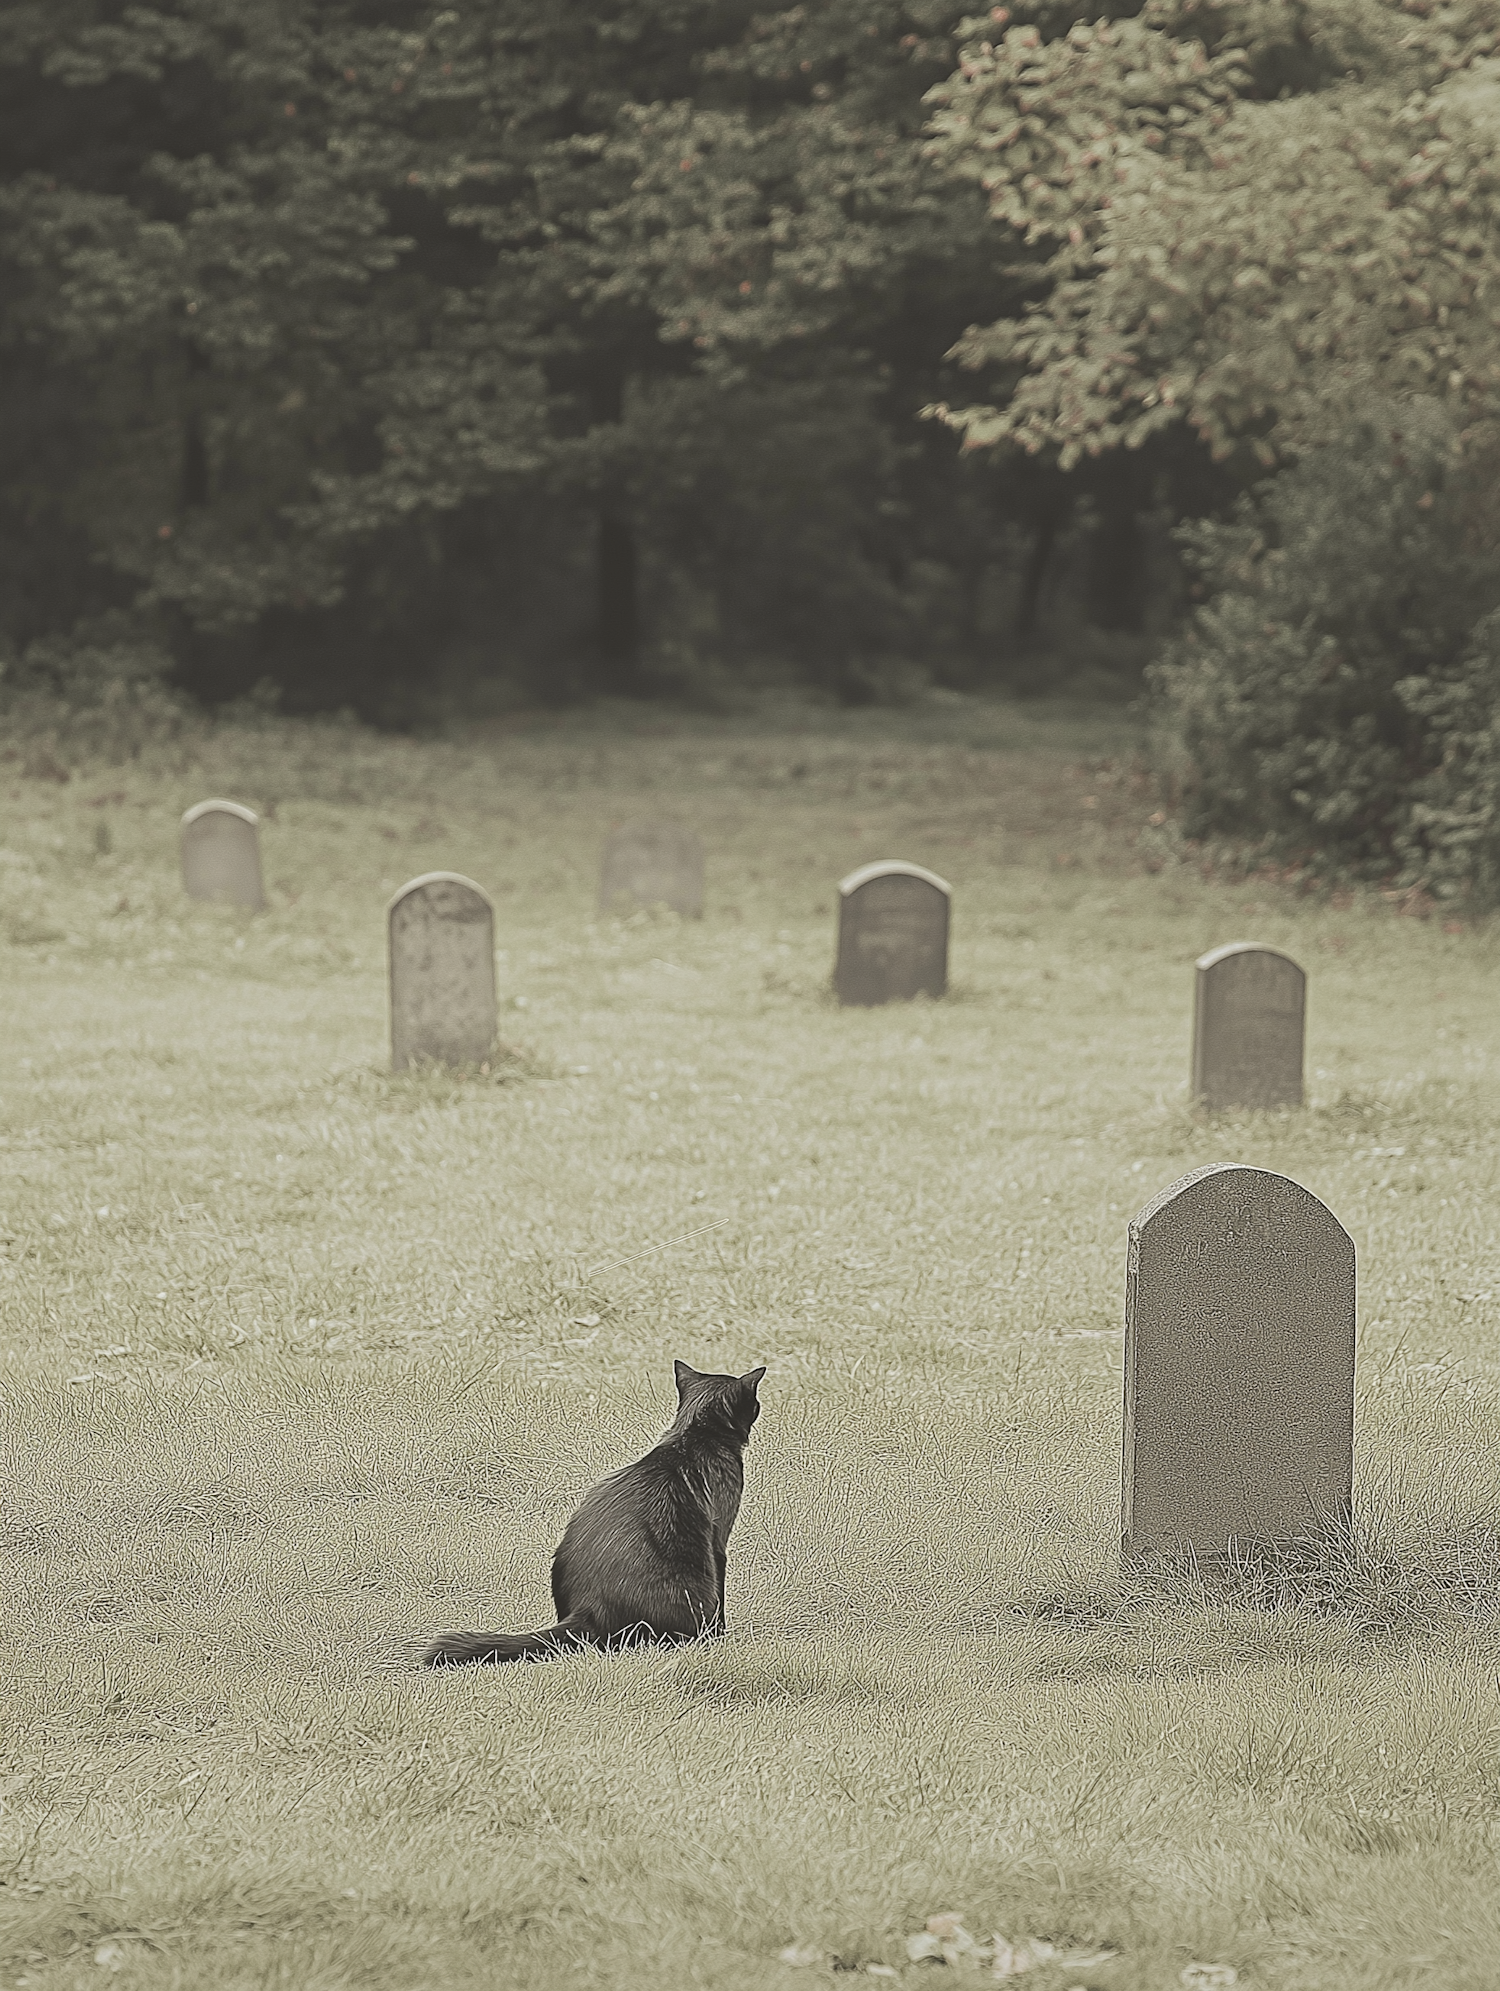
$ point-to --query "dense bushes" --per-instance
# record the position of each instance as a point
(1337, 690)
(1449, 838)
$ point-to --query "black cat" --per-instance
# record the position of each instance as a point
(642, 1561)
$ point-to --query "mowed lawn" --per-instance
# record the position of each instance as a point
(301, 1359)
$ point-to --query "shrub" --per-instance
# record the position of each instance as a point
(1329, 697)
(99, 690)
(1449, 841)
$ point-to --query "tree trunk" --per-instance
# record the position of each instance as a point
(1043, 539)
(1116, 583)
(193, 481)
(616, 599)
(192, 467)
(617, 623)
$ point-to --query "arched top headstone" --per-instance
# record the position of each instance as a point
(1249, 1010)
(893, 934)
(468, 902)
(221, 854)
(442, 946)
(1239, 1365)
(655, 863)
(1232, 947)
(220, 807)
(892, 867)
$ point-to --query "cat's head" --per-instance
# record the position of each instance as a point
(730, 1397)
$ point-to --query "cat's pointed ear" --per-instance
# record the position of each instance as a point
(754, 1377)
(682, 1373)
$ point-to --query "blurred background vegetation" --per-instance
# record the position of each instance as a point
(432, 361)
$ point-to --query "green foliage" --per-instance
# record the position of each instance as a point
(375, 349)
(96, 689)
(1249, 218)
(333, 337)
(1450, 840)
(1330, 694)
(210, 304)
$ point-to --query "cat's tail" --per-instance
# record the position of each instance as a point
(494, 1648)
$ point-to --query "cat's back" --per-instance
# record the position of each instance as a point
(635, 1499)
(682, 1493)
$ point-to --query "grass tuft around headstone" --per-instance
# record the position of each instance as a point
(1385, 1578)
(431, 1078)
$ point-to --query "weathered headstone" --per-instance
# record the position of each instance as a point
(652, 864)
(221, 854)
(1249, 1004)
(1239, 1366)
(893, 934)
(442, 937)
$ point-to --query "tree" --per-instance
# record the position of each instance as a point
(784, 231)
(330, 323)
(1251, 217)
(212, 310)
(350, 343)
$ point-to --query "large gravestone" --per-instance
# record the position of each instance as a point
(652, 864)
(1239, 1366)
(221, 854)
(442, 939)
(893, 934)
(1249, 1003)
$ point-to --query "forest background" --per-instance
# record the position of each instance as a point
(424, 360)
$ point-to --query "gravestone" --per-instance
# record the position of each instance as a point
(652, 864)
(1249, 1003)
(442, 940)
(893, 934)
(1239, 1366)
(221, 854)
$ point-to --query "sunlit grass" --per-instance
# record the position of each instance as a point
(302, 1358)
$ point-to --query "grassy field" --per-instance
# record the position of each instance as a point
(301, 1358)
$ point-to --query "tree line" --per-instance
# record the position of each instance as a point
(386, 350)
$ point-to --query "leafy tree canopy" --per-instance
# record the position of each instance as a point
(304, 301)
(1249, 217)
(343, 322)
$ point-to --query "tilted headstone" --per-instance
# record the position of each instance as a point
(442, 937)
(1239, 1365)
(221, 854)
(1249, 1003)
(893, 934)
(652, 864)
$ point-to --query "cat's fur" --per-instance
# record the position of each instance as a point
(642, 1561)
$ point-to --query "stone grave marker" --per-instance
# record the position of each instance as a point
(652, 864)
(442, 942)
(1249, 1004)
(221, 854)
(1239, 1366)
(893, 934)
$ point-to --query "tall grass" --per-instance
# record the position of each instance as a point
(302, 1358)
